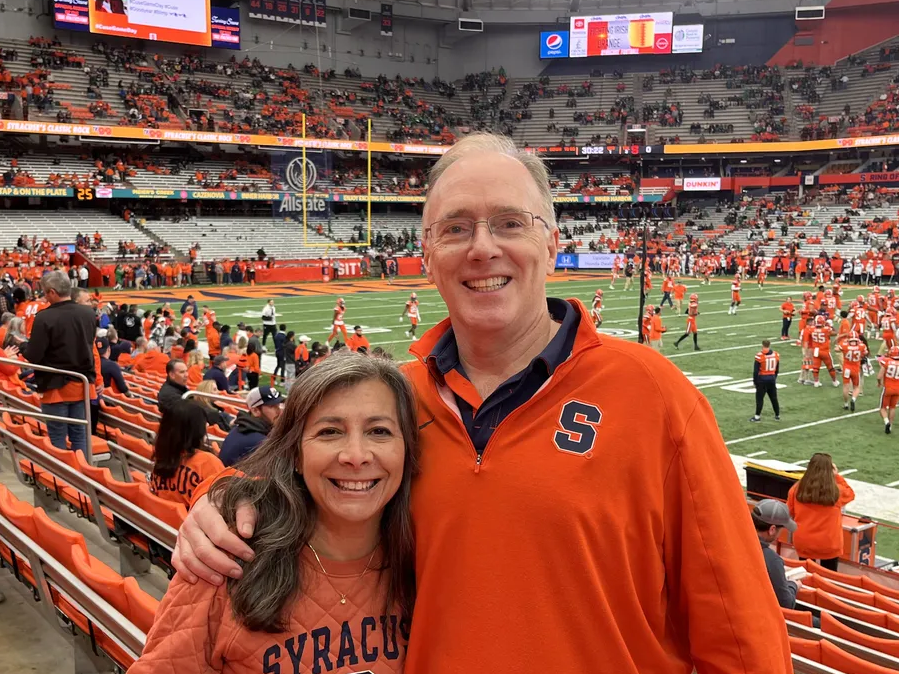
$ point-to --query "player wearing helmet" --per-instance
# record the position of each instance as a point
(411, 310)
(762, 273)
(806, 314)
(617, 264)
(887, 330)
(647, 322)
(596, 309)
(692, 312)
(854, 352)
(888, 380)
(788, 310)
(735, 287)
(820, 345)
(337, 323)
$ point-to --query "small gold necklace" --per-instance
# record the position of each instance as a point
(327, 575)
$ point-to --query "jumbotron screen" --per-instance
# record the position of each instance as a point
(182, 21)
(620, 34)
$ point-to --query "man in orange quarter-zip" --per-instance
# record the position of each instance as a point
(576, 509)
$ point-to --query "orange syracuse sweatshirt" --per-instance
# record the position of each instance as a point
(819, 531)
(195, 632)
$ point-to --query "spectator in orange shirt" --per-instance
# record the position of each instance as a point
(253, 368)
(195, 363)
(180, 461)
(358, 341)
(153, 361)
(317, 545)
(680, 291)
(816, 503)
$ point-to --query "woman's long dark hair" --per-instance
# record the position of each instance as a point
(182, 432)
(286, 515)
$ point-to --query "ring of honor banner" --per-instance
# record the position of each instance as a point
(289, 167)
(386, 19)
(285, 11)
(321, 13)
(307, 13)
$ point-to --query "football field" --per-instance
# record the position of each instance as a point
(812, 419)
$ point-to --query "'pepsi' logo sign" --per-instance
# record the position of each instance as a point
(554, 44)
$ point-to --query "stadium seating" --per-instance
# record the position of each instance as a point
(109, 615)
(63, 226)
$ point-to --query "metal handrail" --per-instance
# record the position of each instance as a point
(98, 494)
(86, 422)
(45, 567)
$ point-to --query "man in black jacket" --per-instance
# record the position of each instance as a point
(175, 385)
(251, 428)
(63, 337)
(131, 327)
(217, 374)
(112, 373)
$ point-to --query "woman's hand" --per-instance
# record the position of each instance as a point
(11, 351)
(205, 542)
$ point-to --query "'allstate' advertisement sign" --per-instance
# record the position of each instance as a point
(554, 44)
(566, 261)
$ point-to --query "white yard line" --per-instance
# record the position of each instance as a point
(800, 427)
(699, 353)
(893, 484)
(732, 382)
(849, 471)
(755, 454)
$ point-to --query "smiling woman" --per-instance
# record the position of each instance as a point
(332, 580)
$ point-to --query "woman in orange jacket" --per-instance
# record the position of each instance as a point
(816, 503)
(253, 368)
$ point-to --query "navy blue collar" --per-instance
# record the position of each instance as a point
(446, 352)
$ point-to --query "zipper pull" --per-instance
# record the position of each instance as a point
(477, 464)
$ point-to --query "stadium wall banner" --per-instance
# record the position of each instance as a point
(596, 260)
(702, 184)
(184, 136)
(566, 261)
(36, 192)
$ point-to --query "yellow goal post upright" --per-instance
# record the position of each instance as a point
(368, 241)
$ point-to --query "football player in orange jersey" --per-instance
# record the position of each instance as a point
(596, 309)
(805, 341)
(692, 313)
(647, 322)
(338, 324)
(887, 330)
(411, 310)
(680, 291)
(872, 304)
(762, 274)
(806, 315)
(735, 288)
(888, 380)
(788, 310)
(28, 310)
(829, 304)
(820, 345)
(858, 315)
(667, 289)
(854, 352)
(617, 264)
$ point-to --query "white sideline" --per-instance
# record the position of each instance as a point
(789, 429)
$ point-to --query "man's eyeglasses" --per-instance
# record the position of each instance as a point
(459, 231)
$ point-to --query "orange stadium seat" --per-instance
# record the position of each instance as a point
(813, 567)
(169, 512)
(836, 657)
(817, 581)
(831, 625)
(63, 544)
(141, 606)
(874, 586)
(836, 605)
(806, 648)
(136, 445)
(885, 603)
(20, 513)
(801, 617)
(127, 490)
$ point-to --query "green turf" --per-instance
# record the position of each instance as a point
(722, 370)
